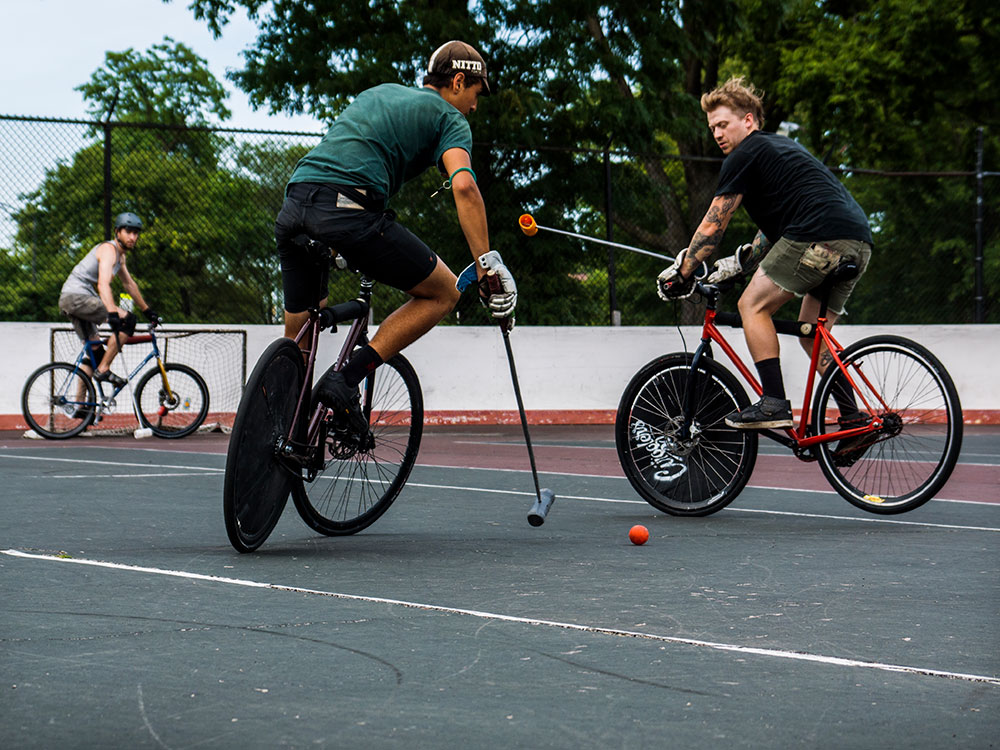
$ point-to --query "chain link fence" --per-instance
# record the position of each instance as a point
(209, 197)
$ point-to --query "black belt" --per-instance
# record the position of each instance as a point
(346, 196)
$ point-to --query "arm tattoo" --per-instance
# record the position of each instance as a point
(709, 234)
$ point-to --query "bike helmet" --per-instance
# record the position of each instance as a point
(128, 220)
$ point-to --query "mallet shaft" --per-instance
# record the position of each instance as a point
(604, 242)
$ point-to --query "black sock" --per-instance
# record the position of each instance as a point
(362, 363)
(770, 377)
(843, 394)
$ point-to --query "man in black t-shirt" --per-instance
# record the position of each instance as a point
(807, 224)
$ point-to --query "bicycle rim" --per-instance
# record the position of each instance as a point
(174, 408)
(58, 401)
(355, 487)
(694, 475)
(914, 453)
(257, 483)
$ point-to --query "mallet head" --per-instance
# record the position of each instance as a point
(528, 225)
(536, 516)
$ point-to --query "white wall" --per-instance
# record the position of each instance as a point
(563, 368)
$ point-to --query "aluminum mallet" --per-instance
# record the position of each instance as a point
(530, 228)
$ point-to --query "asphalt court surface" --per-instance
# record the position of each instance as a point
(788, 619)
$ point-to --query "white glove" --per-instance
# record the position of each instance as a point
(497, 289)
(670, 285)
(731, 266)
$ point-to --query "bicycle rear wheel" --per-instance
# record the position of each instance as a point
(257, 483)
(173, 403)
(358, 484)
(684, 475)
(58, 401)
(913, 454)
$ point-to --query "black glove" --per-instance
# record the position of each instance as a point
(115, 321)
(152, 316)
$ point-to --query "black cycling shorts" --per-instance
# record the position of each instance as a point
(371, 242)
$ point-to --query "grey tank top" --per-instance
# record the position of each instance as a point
(83, 278)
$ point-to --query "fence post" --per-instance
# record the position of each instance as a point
(106, 125)
(979, 316)
(107, 179)
(616, 315)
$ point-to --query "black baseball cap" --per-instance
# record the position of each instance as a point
(458, 57)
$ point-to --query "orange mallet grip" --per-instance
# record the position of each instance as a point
(528, 225)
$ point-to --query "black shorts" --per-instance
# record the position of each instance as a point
(371, 242)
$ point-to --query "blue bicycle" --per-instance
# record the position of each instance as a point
(61, 400)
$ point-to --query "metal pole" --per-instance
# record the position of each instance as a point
(979, 316)
(107, 165)
(616, 316)
(107, 180)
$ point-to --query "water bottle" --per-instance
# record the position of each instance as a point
(125, 302)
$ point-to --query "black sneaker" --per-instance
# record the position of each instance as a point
(850, 450)
(81, 413)
(110, 377)
(767, 413)
(345, 403)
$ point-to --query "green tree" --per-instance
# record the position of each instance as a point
(207, 253)
(889, 84)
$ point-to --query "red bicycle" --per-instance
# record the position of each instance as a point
(682, 458)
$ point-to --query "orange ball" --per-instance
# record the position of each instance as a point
(638, 534)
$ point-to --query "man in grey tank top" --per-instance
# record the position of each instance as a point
(87, 300)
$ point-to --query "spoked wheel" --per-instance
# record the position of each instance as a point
(903, 464)
(359, 480)
(692, 473)
(173, 403)
(257, 481)
(58, 401)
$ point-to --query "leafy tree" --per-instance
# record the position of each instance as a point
(207, 251)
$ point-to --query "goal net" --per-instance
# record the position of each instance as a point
(219, 356)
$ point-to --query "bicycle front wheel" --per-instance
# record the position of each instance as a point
(257, 483)
(58, 401)
(684, 473)
(172, 403)
(914, 452)
(357, 484)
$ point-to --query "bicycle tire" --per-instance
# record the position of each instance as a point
(353, 491)
(916, 451)
(175, 414)
(257, 483)
(684, 477)
(49, 405)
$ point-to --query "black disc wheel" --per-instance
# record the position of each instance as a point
(909, 458)
(358, 477)
(58, 401)
(258, 481)
(684, 467)
(172, 402)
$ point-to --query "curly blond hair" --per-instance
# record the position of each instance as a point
(737, 94)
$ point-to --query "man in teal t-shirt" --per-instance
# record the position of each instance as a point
(338, 193)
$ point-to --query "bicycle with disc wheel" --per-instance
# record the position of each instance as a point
(286, 443)
(62, 399)
(683, 459)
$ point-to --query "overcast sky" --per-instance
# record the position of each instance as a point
(48, 47)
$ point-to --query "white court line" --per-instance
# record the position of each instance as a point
(775, 653)
(115, 476)
(617, 477)
(463, 468)
(770, 451)
(609, 500)
(110, 463)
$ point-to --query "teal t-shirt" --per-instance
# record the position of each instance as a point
(387, 136)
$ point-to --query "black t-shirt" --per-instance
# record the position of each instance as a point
(789, 193)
